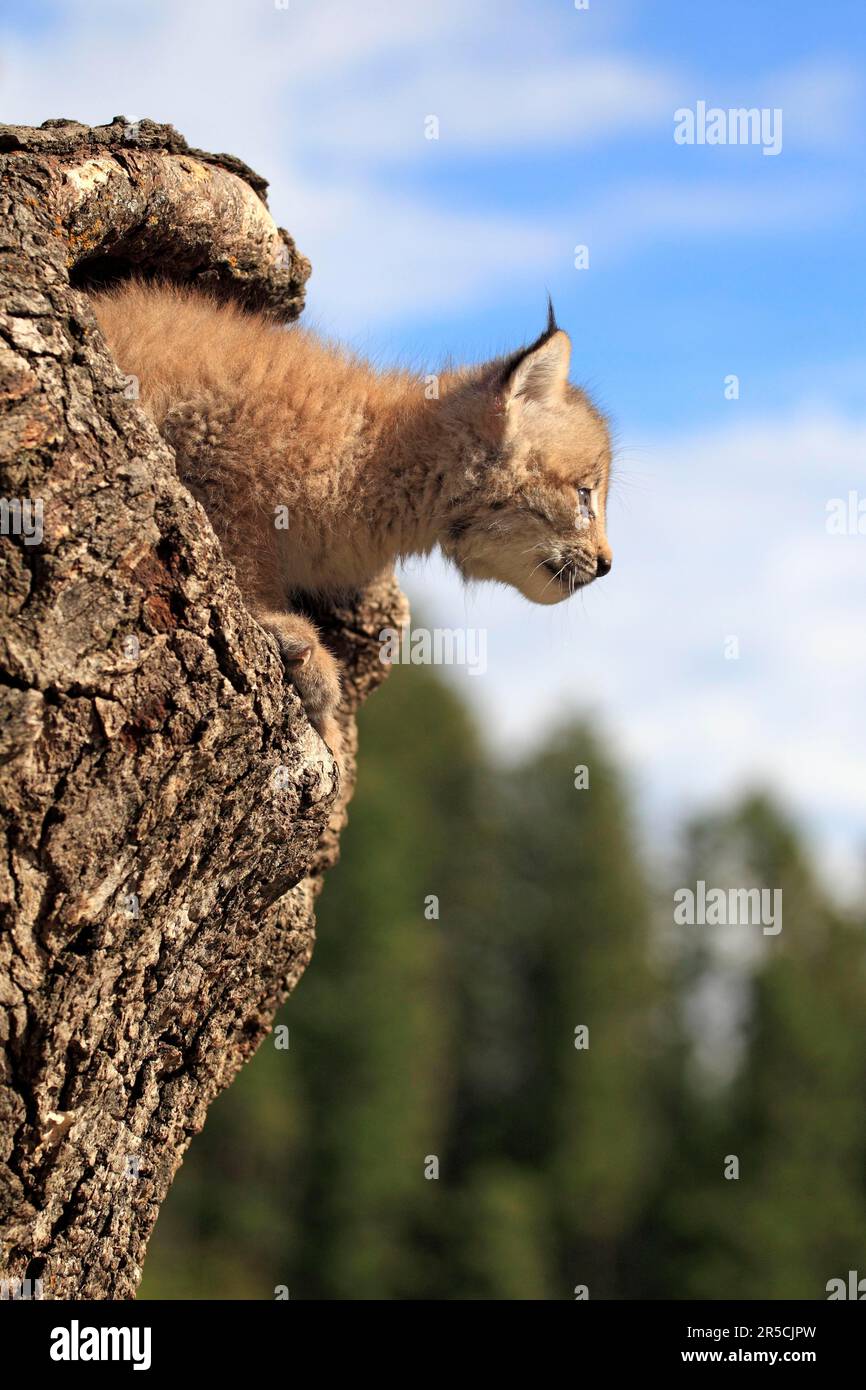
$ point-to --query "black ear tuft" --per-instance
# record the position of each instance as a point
(510, 364)
(551, 318)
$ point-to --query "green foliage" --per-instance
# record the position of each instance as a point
(444, 1035)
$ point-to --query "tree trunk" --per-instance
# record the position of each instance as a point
(167, 810)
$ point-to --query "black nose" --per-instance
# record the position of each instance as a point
(602, 566)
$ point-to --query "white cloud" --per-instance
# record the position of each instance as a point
(379, 256)
(822, 104)
(495, 109)
(637, 214)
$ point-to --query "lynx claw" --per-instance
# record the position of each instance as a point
(311, 669)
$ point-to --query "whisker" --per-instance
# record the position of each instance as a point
(555, 576)
(540, 565)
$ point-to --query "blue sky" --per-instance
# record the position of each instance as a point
(556, 129)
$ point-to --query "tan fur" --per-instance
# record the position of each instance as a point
(367, 467)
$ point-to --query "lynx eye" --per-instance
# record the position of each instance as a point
(584, 502)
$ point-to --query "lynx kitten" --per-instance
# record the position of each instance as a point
(506, 470)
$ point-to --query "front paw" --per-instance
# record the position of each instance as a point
(310, 667)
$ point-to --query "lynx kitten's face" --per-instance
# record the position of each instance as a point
(531, 511)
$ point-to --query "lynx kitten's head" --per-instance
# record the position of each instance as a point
(526, 505)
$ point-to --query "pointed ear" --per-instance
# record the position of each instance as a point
(539, 372)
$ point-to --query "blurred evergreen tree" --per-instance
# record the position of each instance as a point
(792, 1111)
(557, 1003)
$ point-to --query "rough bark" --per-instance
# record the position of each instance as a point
(167, 810)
